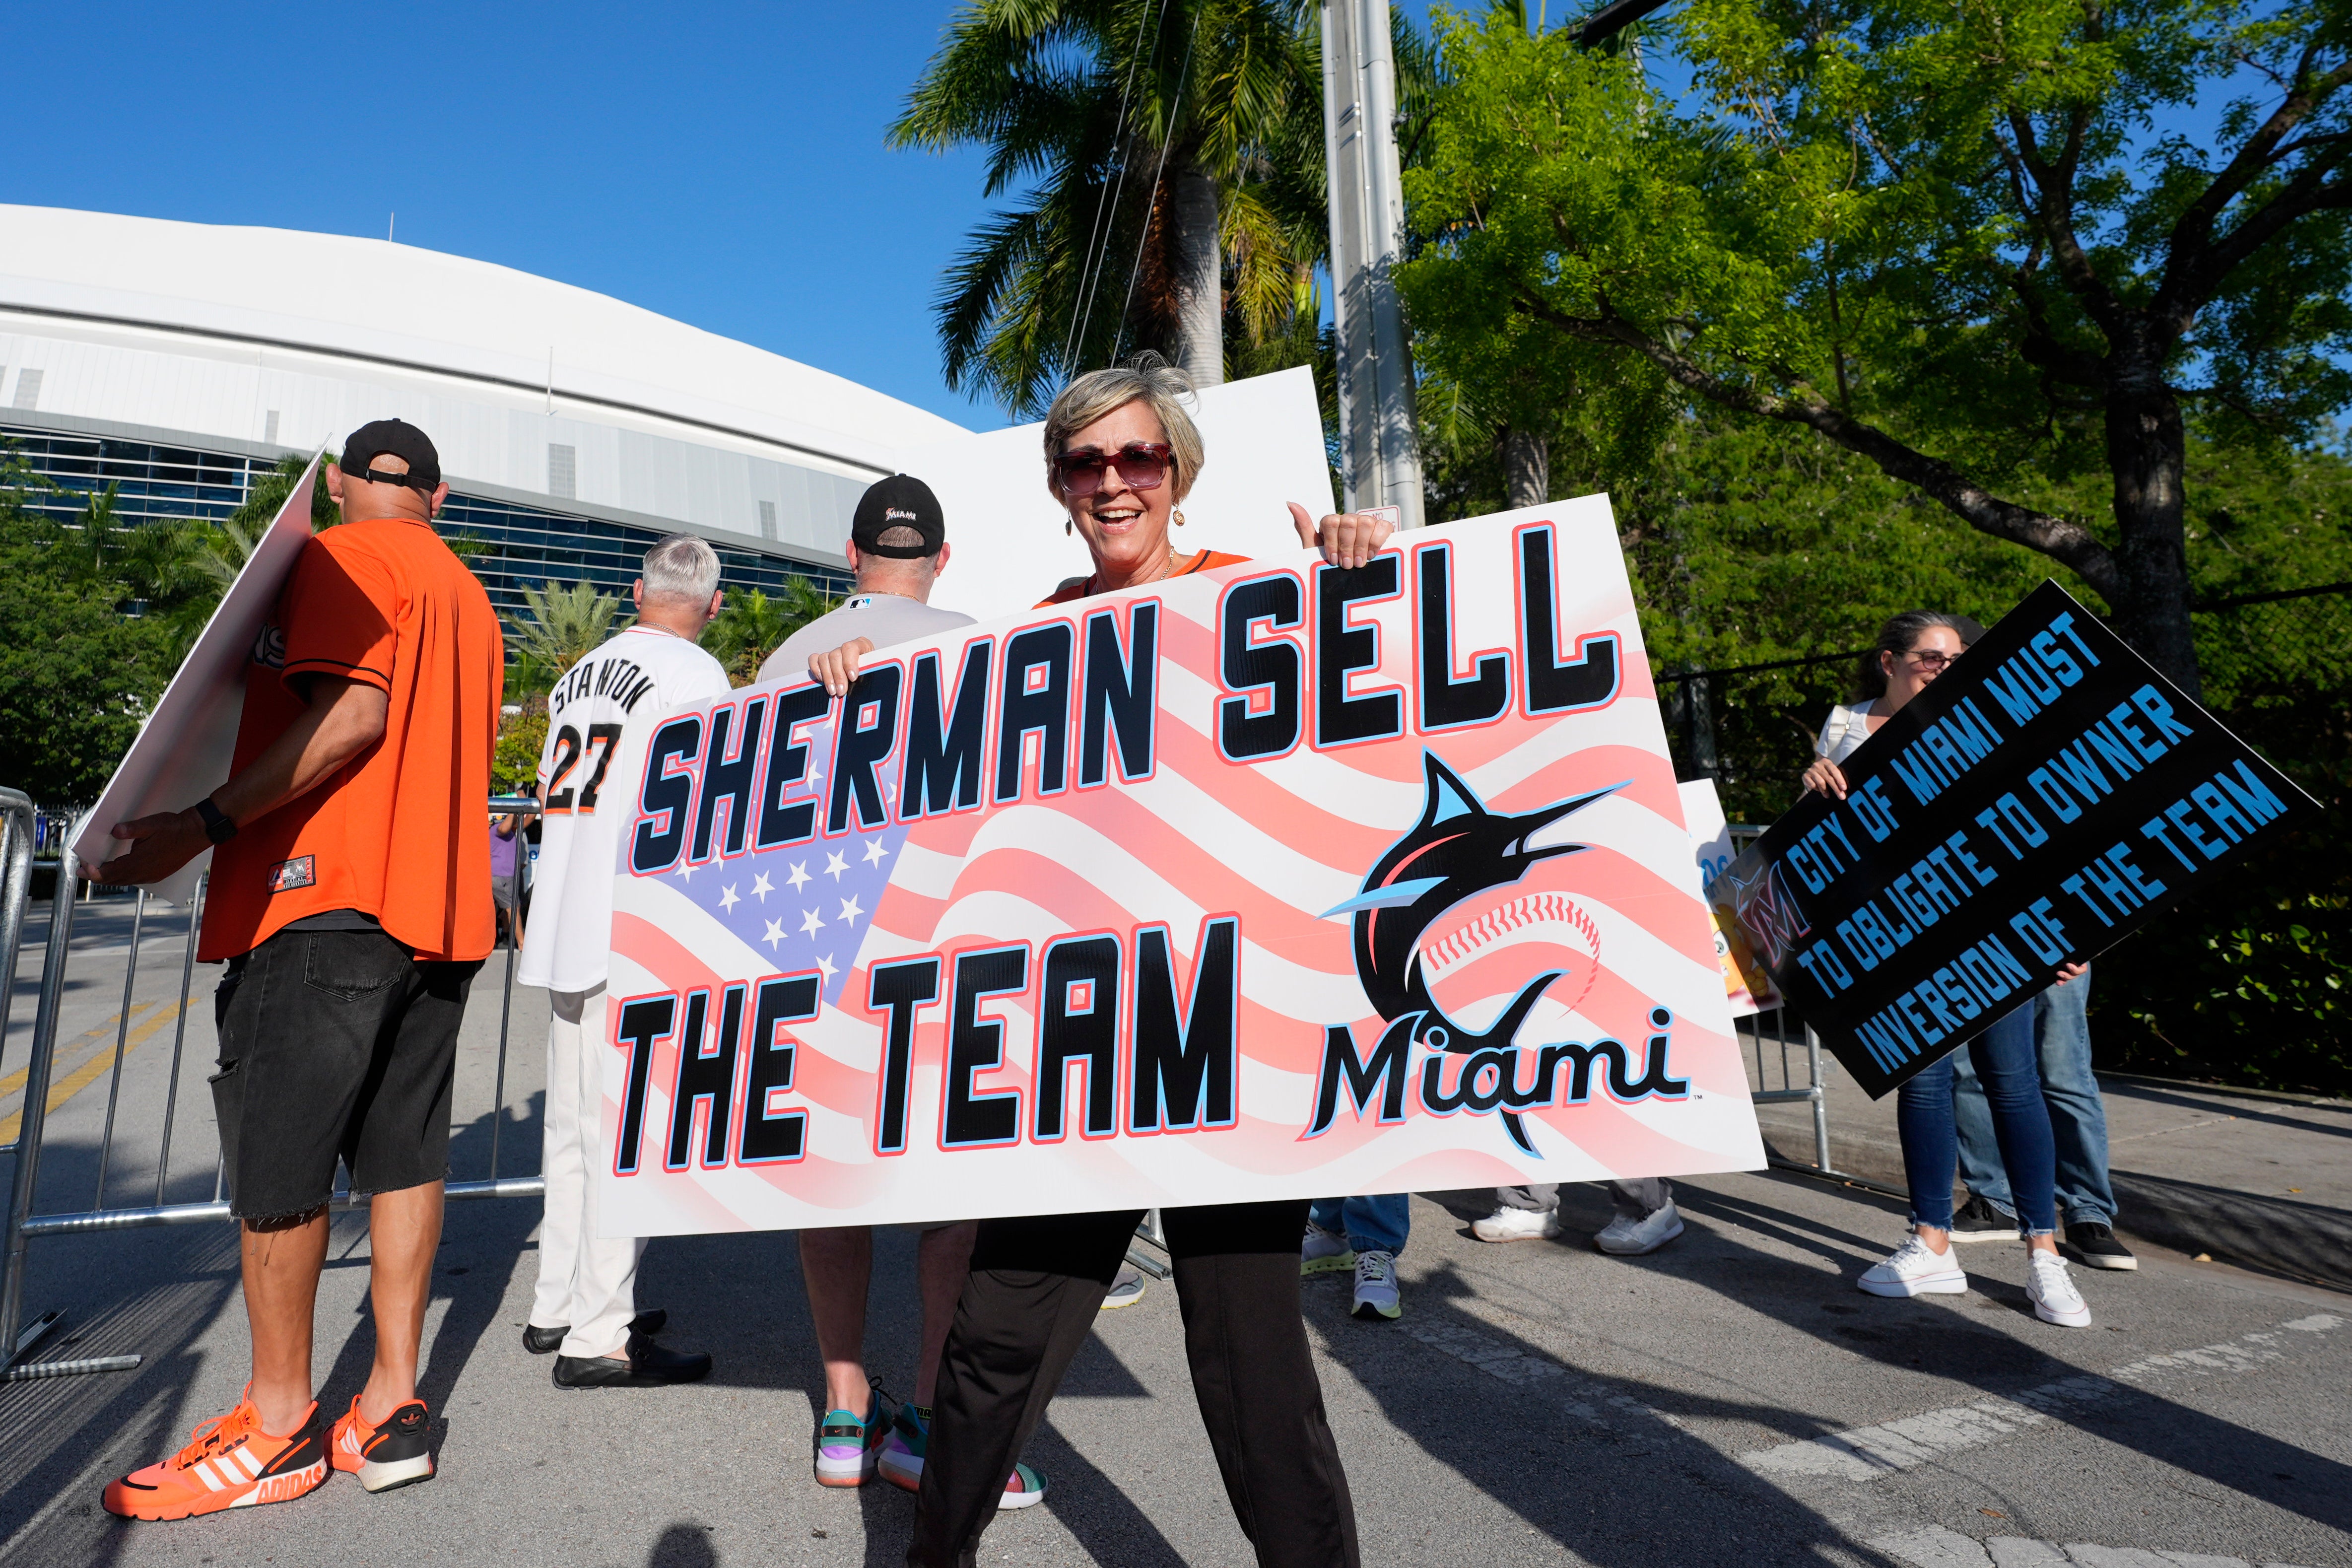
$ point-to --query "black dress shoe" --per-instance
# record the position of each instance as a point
(644, 1364)
(538, 1341)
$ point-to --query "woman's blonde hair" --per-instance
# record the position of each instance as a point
(1146, 379)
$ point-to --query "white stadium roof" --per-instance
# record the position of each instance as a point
(287, 340)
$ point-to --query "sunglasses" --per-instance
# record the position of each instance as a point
(1142, 465)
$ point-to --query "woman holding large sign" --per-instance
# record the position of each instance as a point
(1913, 650)
(1121, 453)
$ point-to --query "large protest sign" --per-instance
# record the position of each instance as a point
(1276, 880)
(181, 752)
(2045, 797)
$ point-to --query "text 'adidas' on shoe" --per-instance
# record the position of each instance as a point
(229, 1462)
(1913, 1269)
(396, 1453)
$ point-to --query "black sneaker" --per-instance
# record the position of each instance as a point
(2096, 1246)
(1977, 1220)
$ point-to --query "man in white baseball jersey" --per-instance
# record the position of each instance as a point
(597, 719)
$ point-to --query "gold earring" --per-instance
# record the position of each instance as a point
(1180, 517)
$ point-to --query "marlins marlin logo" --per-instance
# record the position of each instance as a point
(1457, 850)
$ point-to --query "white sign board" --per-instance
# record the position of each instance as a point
(1264, 439)
(183, 751)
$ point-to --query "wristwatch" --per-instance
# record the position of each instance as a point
(217, 826)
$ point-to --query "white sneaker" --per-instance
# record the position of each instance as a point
(1509, 1224)
(1323, 1251)
(2051, 1291)
(1375, 1287)
(1914, 1270)
(1631, 1237)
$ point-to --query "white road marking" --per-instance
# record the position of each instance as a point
(1867, 1453)
(1583, 1397)
(1937, 1547)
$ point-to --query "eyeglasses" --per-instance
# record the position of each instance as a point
(1142, 464)
(1929, 659)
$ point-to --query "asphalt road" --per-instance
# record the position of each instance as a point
(1730, 1400)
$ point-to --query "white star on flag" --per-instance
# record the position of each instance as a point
(814, 923)
(849, 910)
(800, 875)
(762, 886)
(726, 899)
(874, 852)
(825, 965)
(685, 870)
(835, 863)
(775, 933)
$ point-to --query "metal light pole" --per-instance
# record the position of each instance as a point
(1380, 458)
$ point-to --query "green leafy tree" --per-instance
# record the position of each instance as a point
(1172, 152)
(564, 626)
(752, 626)
(77, 675)
(1928, 236)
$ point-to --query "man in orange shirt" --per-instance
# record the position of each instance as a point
(350, 895)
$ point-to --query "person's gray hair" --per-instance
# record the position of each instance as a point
(1146, 379)
(682, 567)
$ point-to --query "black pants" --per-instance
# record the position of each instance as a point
(1035, 1287)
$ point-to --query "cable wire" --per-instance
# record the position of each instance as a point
(1090, 271)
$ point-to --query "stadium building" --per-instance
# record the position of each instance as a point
(179, 361)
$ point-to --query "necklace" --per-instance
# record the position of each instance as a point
(1095, 576)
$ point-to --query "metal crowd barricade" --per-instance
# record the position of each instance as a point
(1765, 1040)
(21, 1224)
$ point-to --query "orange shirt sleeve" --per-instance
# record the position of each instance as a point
(339, 612)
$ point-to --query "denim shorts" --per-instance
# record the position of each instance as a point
(334, 1046)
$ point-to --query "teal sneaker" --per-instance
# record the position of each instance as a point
(902, 1461)
(848, 1447)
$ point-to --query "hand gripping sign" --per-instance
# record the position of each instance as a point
(1276, 880)
(2045, 797)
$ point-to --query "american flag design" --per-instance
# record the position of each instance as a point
(1389, 889)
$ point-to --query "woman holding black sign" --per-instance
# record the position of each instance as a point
(1913, 650)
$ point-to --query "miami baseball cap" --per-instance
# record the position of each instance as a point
(401, 439)
(901, 501)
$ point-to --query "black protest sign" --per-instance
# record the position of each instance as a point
(2043, 798)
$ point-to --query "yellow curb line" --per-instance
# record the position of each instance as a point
(15, 1081)
(90, 1072)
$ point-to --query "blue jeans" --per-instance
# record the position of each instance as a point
(2078, 1114)
(1372, 1224)
(2003, 1057)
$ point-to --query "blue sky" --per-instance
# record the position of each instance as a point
(720, 163)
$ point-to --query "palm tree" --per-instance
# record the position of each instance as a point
(566, 625)
(1176, 148)
(752, 626)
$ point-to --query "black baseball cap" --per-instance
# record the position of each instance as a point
(399, 439)
(901, 501)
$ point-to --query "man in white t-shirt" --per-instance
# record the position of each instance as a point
(597, 719)
(898, 547)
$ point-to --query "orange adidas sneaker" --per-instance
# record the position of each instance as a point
(399, 1453)
(229, 1462)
